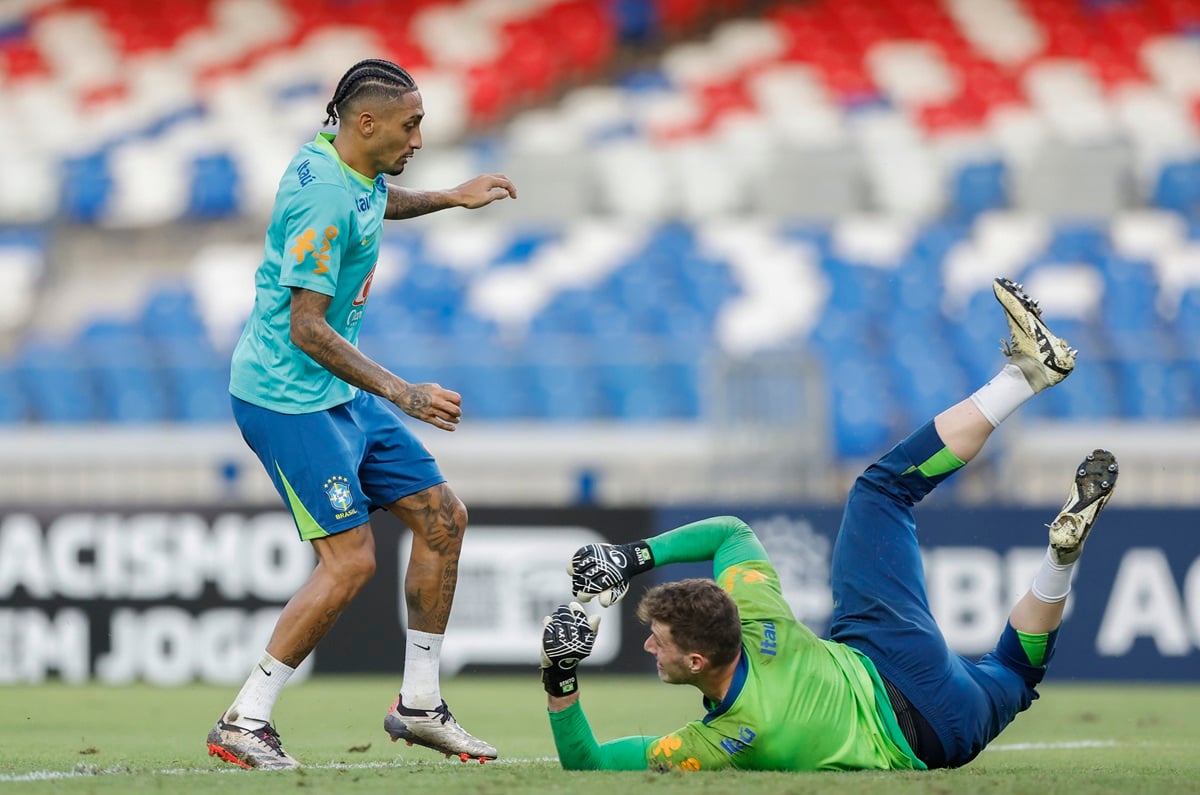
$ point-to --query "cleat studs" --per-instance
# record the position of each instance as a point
(1112, 467)
(1081, 473)
(1091, 457)
(1104, 484)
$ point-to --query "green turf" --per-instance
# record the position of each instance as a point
(145, 739)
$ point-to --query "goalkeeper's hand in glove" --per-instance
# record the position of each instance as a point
(604, 570)
(567, 637)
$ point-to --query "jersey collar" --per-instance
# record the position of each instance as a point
(735, 689)
(324, 142)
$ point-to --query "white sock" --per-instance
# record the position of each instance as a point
(422, 656)
(252, 707)
(1052, 582)
(1003, 395)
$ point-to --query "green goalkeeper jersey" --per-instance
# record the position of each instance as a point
(796, 702)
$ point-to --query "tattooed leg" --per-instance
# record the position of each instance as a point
(346, 562)
(437, 519)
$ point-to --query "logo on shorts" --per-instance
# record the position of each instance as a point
(338, 492)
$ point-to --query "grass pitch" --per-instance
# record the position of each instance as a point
(60, 738)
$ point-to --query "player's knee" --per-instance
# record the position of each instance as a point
(455, 515)
(356, 570)
(458, 515)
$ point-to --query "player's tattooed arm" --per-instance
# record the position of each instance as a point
(472, 194)
(311, 333)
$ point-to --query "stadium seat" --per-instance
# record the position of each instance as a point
(54, 383)
(12, 403)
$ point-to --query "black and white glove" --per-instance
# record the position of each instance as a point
(567, 637)
(605, 570)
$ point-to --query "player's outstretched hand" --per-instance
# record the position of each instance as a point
(568, 635)
(604, 570)
(432, 403)
(484, 190)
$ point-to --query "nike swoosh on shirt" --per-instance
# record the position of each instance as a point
(366, 241)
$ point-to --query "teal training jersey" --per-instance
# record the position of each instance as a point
(324, 236)
(796, 702)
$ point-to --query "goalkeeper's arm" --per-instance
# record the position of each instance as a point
(578, 748)
(725, 540)
(606, 569)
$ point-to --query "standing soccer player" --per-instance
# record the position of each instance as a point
(885, 692)
(316, 411)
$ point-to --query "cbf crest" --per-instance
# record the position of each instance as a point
(337, 489)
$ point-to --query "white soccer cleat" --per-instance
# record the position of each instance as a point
(258, 748)
(1093, 486)
(1042, 357)
(436, 729)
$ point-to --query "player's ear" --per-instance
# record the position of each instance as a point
(366, 123)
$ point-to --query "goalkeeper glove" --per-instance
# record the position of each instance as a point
(604, 570)
(567, 637)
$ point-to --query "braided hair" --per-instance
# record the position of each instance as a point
(372, 77)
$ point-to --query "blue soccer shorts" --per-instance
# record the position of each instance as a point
(333, 467)
(882, 610)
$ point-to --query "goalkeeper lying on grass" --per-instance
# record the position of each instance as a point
(884, 692)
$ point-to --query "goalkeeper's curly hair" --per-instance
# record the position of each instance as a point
(702, 618)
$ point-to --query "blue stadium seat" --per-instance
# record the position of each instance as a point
(1130, 295)
(525, 242)
(861, 403)
(935, 240)
(1155, 390)
(860, 290)
(417, 358)
(639, 19)
(199, 393)
(12, 402)
(493, 390)
(125, 371)
(975, 337)
(1178, 187)
(564, 390)
(1079, 242)
(569, 312)
(916, 288)
(1090, 393)
(1187, 323)
(979, 187)
(215, 187)
(682, 387)
(707, 284)
(54, 382)
(927, 378)
(430, 296)
(86, 185)
(169, 311)
(634, 387)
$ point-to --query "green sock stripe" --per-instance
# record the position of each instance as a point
(940, 463)
(305, 523)
(1034, 646)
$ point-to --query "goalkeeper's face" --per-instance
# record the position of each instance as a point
(675, 666)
